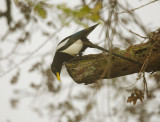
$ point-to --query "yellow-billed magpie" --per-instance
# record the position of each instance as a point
(74, 45)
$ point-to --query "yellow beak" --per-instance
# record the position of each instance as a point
(58, 76)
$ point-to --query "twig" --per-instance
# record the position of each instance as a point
(138, 34)
(146, 62)
(137, 7)
(36, 50)
(130, 85)
(145, 84)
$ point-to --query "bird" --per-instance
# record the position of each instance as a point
(73, 46)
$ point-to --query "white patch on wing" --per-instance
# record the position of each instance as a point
(62, 44)
(75, 48)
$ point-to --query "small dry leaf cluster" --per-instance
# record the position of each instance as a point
(138, 94)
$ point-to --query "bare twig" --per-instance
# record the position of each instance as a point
(137, 7)
(36, 50)
(146, 62)
(145, 84)
(138, 34)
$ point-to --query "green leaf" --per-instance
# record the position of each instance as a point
(39, 9)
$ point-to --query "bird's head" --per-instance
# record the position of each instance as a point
(58, 61)
(57, 65)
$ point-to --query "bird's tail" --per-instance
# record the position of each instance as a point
(89, 44)
(85, 32)
(90, 29)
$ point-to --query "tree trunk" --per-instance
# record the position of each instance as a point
(91, 68)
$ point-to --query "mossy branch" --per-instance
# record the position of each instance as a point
(90, 68)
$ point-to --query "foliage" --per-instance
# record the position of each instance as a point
(84, 12)
(40, 10)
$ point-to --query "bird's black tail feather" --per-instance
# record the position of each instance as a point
(89, 44)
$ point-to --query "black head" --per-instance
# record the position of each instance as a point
(58, 61)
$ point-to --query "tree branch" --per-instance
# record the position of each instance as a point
(7, 13)
(90, 68)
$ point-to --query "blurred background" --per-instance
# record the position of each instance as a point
(29, 33)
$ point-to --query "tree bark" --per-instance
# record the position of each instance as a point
(91, 68)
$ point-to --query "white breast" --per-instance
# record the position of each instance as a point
(75, 48)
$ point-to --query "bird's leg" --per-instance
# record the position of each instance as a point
(80, 54)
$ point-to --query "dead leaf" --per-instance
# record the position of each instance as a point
(138, 94)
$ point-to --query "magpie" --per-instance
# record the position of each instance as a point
(73, 46)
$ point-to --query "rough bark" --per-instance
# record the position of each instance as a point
(91, 68)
